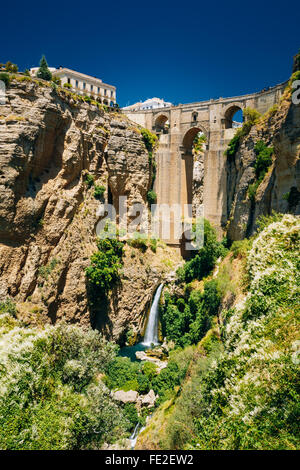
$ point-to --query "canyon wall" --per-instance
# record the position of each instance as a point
(280, 188)
(48, 213)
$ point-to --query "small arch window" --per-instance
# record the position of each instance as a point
(194, 116)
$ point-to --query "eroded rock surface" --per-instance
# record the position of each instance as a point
(280, 189)
(48, 213)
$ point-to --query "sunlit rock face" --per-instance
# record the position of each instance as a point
(48, 213)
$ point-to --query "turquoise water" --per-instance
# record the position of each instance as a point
(129, 351)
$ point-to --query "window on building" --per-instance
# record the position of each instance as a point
(98, 90)
(69, 80)
(84, 85)
(111, 93)
(92, 87)
(105, 91)
(76, 83)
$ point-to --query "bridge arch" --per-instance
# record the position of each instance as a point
(229, 113)
(161, 122)
(189, 137)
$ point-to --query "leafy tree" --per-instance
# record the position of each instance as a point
(10, 67)
(103, 271)
(43, 71)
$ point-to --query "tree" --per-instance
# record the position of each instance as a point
(43, 72)
(10, 67)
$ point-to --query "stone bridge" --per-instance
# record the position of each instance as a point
(182, 180)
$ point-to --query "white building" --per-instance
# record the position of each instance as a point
(84, 84)
(151, 103)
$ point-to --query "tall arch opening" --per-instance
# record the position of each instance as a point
(193, 148)
(161, 123)
(233, 117)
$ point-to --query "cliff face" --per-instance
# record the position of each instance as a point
(280, 188)
(48, 212)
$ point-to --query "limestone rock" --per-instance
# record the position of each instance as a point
(48, 214)
(149, 399)
(142, 356)
(125, 397)
(280, 189)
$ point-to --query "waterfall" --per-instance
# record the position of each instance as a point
(151, 334)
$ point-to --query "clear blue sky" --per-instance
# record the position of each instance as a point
(179, 51)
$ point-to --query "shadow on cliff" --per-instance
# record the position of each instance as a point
(100, 306)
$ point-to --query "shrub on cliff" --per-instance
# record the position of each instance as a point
(261, 165)
(204, 260)
(150, 139)
(251, 117)
(105, 264)
(151, 197)
(99, 191)
(4, 77)
(10, 67)
(43, 71)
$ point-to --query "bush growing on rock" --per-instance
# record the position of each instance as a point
(4, 77)
(204, 260)
(103, 272)
(99, 192)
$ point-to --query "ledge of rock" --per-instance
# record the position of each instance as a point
(125, 397)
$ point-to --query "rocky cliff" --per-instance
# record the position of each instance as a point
(48, 212)
(280, 188)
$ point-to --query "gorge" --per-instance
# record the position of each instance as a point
(226, 374)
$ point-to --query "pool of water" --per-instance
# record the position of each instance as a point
(129, 351)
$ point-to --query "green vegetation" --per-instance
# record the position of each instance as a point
(150, 139)
(151, 197)
(204, 260)
(8, 306)
(297, 62)
(56, 80)
(104, 270)
(153, 244)
(251, 117)
(4, 77)
(123, 374)
(261, 166)
(99, 192)
(51, 397)
(87, 99)
(186, 320)
(44, 271)
(199, 140)
(43, 71)
(68, 85)
(138, 241)
(89, 179)
(10, 67)
(244, 393)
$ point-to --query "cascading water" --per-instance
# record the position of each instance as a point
(151, 334)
